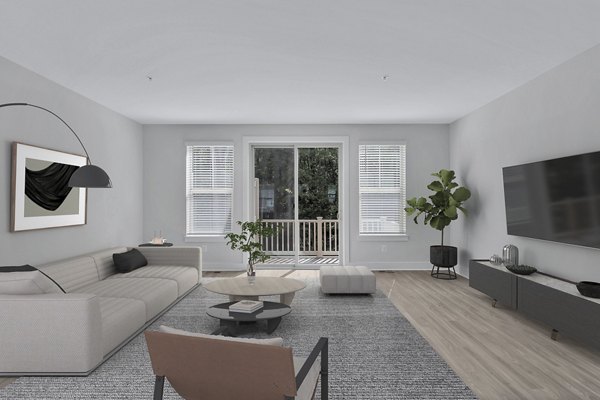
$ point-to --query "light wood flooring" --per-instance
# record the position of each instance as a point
(497, 352)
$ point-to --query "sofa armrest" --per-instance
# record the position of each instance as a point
(185, 256)
(50, 333)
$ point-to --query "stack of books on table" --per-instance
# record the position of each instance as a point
(246, 306)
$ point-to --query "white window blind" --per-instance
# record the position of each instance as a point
(382, 189)
(209, 190)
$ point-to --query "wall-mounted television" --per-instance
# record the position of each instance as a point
(556, 200)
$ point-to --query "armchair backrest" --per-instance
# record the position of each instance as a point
(202, 368)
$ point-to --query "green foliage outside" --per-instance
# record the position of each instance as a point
(318, 179)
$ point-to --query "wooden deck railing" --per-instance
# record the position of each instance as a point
(318, 237)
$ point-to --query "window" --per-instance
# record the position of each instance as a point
(382, 194)
(209, 190)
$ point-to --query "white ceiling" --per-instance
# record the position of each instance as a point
(295, 61)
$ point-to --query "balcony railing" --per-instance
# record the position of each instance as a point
(318, 237)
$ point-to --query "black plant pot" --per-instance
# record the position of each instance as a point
(443, 257)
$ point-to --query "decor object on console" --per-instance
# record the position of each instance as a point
(589, 289)
(40, 194)
(439, 211)
(510, 255)
(87, 175)
(249, 240)
(496, 259)
(521, 269)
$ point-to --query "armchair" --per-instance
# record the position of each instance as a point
(206, 367)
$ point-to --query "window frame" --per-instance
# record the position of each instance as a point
(377, 236)
(208, 236)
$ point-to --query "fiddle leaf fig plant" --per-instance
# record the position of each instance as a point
(249, 241)
(440, 208)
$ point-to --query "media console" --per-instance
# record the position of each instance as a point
(552, 301)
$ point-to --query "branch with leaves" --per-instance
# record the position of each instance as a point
(441, 208)
(248, 241)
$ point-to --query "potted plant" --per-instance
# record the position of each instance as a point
(249, 241)
(439, 210)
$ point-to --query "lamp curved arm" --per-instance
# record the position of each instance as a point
(88, 176)
(61, 120)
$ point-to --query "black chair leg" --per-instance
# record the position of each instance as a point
(325, 371)
(159, 386)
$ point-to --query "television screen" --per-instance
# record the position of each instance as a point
(557, 200)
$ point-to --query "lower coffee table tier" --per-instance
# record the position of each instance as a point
(271, 313)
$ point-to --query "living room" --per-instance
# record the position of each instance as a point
(467, 86)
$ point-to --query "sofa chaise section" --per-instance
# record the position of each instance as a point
(73, 333)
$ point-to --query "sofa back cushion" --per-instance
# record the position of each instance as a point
(104, 261)
(73, 273)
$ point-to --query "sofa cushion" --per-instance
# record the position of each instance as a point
(186, 277)
(157, 294)
(121, 318)
(277, 341)
(129, 260)
(104, 261)
(26, 279)
(73, 273)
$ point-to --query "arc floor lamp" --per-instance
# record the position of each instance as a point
(88, 176)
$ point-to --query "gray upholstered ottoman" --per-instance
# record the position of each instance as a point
(346, 279)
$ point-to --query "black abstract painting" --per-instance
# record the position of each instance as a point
(49, 187)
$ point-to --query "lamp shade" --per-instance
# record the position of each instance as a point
(90, 176)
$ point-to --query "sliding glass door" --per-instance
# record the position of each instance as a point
(296, 190)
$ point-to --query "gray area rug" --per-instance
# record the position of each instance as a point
(375, 353)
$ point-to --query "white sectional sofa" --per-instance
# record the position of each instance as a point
(72, 333)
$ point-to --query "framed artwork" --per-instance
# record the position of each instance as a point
(40, 195)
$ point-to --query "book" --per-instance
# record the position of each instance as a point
(246, 306)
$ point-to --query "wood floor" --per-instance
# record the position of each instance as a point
(496, 351)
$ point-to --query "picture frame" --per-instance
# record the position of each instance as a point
(40, 195)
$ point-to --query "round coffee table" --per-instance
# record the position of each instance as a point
(271, 313)
(250, 288)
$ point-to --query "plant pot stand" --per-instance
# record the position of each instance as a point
(451, 274)
(443, 257)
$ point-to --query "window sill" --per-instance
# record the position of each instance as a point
(207, 238)
(383, 238)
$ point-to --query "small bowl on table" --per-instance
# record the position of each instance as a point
(521, 269)
(589, 289)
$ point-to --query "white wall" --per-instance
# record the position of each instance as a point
(555, 115)
(164, 184)
(114, 143)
